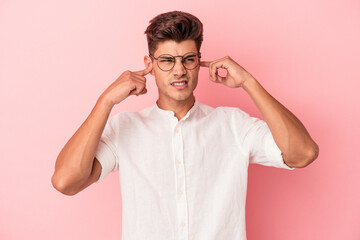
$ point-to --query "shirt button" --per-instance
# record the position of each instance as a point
(176, 131)
(182, 224)
(180, 192)
(178, 161)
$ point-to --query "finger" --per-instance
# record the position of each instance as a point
(205, 64)
(145, 71)
(208, 64)
(144, 91)
(219, 65)
(213, 73)
(139, 78)
(220, 78)
(139, 88)
(137, 93)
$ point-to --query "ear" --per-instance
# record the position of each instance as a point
(148, 62)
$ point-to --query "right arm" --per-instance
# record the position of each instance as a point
(76, 167)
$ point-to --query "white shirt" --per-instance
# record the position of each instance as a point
(187, 179)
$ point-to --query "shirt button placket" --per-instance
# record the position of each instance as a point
(182, 208)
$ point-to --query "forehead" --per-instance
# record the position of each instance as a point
(173, 48)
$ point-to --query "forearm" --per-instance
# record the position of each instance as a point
(290, 135)
(75, 161)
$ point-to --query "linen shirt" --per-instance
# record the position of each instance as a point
(187, 179)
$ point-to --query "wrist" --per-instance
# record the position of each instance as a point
(105, 102)
(249, 84)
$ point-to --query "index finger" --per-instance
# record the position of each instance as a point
(145, 71)
(205, 64)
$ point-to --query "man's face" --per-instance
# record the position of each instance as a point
(179, 83)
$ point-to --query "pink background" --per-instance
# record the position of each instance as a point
(57, 57)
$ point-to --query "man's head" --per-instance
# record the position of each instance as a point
(174, 33)
(177, 26)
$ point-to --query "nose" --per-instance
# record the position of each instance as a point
(179, 69)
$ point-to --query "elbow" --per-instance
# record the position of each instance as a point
(307, 158)
(312, 154)
(61, 185)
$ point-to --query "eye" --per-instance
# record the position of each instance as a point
(166, 60)
(190, 59)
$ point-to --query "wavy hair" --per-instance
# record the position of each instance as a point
(175, 25)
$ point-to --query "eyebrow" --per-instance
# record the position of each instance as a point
(169, 56)
(162, 56)
(189, 54)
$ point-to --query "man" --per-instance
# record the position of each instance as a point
(182, 164)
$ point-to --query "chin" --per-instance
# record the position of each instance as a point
(183, 96)
(175, 95)
(179, 97)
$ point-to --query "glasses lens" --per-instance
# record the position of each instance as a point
(191, 61)
(166, 62)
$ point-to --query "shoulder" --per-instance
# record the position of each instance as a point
(205, 108)
(130, 117)
(220, 109)
(223, 113)
(232, 112)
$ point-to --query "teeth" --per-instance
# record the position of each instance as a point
(179, 84)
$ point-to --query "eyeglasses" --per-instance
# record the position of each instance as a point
(166, 62)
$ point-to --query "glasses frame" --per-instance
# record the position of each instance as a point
(174, 59)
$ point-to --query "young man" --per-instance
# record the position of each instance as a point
(182, 165)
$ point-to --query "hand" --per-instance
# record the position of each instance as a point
(128, 83)
(235, 77)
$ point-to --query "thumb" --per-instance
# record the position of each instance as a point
(143, 91)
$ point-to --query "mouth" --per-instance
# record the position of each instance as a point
(180, 84)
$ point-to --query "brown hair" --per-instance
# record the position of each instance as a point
(175, 25)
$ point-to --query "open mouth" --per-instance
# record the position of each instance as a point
(182, 83)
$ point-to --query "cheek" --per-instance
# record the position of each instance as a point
(194, 75)
(161, 78)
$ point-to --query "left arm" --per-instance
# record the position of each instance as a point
(294, 141)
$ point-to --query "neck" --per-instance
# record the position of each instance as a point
(180, 108)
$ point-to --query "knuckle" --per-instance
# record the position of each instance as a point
(127, 73)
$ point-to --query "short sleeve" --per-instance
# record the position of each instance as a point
(264, 150)
(256, 139)
(106, 152)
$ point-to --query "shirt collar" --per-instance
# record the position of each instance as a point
(172, 114)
